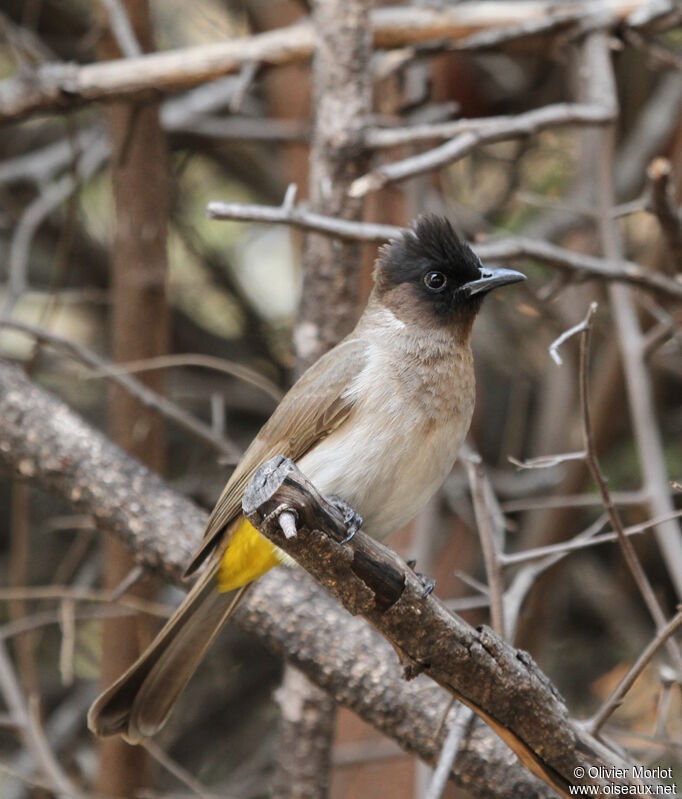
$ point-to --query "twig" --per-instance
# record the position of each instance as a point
(172, 767)
(662, 201)
(448, 753)
(616, 698)
(121, 28)
(485, 132)
(597, 62)
(573, 501)
(38, 210)
(638, 573)
(67, 626)
(31, 731)
(582, 266)
(148, 397)
(486, 534)
(547, 461)
(656, 54)
(77, 594)
(579, 542)
(554, 346)
(237, 370)
(303, 219)
(133, 577)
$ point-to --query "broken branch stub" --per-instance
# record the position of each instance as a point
(279, 487)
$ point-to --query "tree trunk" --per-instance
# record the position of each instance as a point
(139, 329)
(329, 308)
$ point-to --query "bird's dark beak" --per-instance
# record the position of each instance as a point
(492, 279)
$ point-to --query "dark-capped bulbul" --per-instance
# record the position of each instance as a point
(376, 422)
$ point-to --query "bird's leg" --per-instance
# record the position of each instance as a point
(427, 583)
(351, 518)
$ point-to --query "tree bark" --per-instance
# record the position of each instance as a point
(342, 100)
(139, 329)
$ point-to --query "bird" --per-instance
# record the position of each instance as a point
(375, 424)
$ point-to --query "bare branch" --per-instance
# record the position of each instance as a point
(486, 533)
(565, 336)
(62, 85)
(616, 698)
(299, 217)
(632, 342)
(237, 370)
(449, 753)
(121, 28)
(31, 732)
(148, 397)
(476, 134)
(581, 541)
(636, 569)
(582, 266)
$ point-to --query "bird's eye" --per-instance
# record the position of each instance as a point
(435, 281)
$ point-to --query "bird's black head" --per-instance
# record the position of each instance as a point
(432, 270)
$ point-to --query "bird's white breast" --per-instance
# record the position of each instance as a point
(412, 408)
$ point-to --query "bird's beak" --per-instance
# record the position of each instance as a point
(492, 279)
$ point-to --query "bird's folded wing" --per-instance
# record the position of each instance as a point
(315, 406)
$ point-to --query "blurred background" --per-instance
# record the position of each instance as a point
(105, 243)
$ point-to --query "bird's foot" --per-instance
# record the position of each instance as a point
(351, 518)
(427, 583)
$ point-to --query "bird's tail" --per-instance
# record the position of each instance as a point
(139, 702)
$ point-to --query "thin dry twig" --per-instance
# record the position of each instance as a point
(638, 573)
(615, 700)
(547, 461)
(123, 32)
(599, 80)
(565, 336)
(148, 397)
(77, 594)
(67, 626)
(448, 753)
(173, 767)
(31, 731)
(579, 265)
(477, 133)
(37, 211)
(299, 217)
(579, 542)
(486, 534)
(212, 362)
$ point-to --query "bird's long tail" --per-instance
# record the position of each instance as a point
(139, 702)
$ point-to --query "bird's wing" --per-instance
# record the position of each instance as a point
(315, 406)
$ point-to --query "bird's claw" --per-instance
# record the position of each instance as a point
(351, 518)
(426, 582)
(427, 585)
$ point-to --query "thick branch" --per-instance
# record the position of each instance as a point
(54, 86)
(41, 439)
(501, 684)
